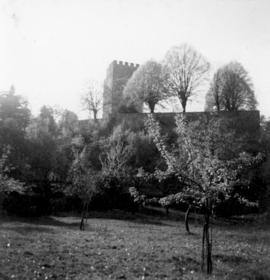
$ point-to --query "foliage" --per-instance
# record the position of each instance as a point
(118, 152)
(68, 124)
(8, 184)
(231, 90)
(14, 118)
(205, 176)
(146, 85)
(187, 71)
(201, 161)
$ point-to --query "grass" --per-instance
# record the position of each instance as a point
(139, 247)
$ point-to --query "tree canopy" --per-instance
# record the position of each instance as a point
(146, 85)
(187, 71)
(231, 90)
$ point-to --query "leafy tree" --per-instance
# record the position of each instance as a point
(146, 85)
(214, 95)
(84, 185)
(69, 124)
(205, 176)
(118, 153)
(42, 150)
(92, 99)
(14, 112)
(46, 121)
(231, 90)
(8, 184)
(14, 118)
(187, 70)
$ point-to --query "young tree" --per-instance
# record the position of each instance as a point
(231, 90)
(146, 85)
(187, 70)
(118, 153)
(92, 100)
(204, 175)
(84, 185)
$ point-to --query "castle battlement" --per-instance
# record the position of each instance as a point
(126, 64)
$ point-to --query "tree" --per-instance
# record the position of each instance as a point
(14, 119)
(46, 121)
(69, 124)
(92, 100)
(84, 185)
(203, 174)
(8, 184)
(214, 95)
(231, 90)
(42, 150)
(14, 112)
(187, 70)
(146, 85)
(118, 152)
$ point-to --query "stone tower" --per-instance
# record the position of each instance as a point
(118, 73)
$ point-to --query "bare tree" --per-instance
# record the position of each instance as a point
(92, 99)
(231, 89)
(187, 70)
(146, 85)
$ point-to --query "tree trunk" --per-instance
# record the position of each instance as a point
(95, 115)
(82, 223)
(187, 218)
(167, 210)
(184, 105)
(206, 244)
(84, 216)
(152, 107)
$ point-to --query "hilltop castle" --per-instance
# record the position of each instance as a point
(118, 74)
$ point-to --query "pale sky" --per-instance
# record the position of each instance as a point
(51, 49)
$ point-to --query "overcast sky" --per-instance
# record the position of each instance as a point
(50, 49)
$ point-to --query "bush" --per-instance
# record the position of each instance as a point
(26, 205)
(233, 207)
(113, 193)
(64, 203)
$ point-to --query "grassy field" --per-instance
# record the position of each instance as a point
(138, 247)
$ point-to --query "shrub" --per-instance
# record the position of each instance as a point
(26, 205)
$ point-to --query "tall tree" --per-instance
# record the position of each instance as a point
(14, 118)
(92, 99)
(42, 152)
(187, 70)
(146, 85)
(14, 112)
(231, 90)
(214, 95)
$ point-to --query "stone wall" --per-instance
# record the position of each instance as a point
(246, 124)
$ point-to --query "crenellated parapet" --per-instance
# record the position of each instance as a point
(126, 64)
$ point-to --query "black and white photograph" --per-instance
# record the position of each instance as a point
(135, 139)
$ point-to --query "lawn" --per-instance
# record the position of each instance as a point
(137, 247)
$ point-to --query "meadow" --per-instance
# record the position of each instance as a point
(129, 247)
